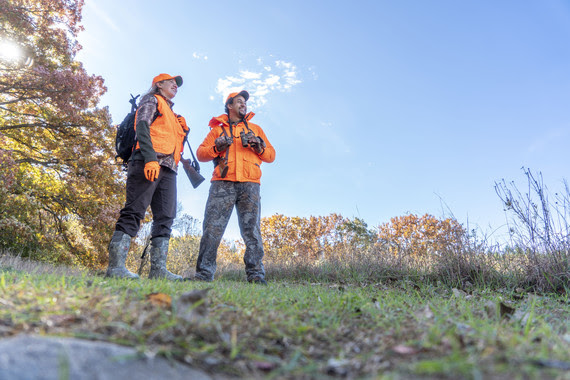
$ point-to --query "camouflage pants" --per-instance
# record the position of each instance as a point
(221, 200)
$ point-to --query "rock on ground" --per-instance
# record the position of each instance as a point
(26, 357)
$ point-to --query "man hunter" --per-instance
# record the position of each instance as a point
(238, 147)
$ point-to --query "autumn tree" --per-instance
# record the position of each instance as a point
(59, 189)
(420, 236)
(315, 237)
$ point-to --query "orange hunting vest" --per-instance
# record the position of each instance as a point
(166, 133)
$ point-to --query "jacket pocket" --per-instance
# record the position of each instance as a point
(252, 170)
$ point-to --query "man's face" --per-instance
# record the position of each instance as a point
(239, 106)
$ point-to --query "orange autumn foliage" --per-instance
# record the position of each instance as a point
(420, 236)
(315, 237)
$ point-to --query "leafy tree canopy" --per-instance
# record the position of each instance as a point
(59, 189)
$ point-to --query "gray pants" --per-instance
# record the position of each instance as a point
(221, 200)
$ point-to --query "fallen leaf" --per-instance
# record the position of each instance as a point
(265, 366)
(160, 299)
(404, 350)
(61, 320)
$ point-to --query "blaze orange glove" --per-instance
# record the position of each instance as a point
(182, 122)
(151, 170)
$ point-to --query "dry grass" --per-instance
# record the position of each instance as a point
(34, 267)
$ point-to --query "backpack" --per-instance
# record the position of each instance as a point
(126, 138)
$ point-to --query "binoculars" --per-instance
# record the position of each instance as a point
(245, 138)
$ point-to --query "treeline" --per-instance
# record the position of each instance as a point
(321, 238)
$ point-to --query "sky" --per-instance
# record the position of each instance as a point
(376, 109)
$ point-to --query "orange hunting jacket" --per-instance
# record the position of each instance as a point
(243, 163)
(166, 133)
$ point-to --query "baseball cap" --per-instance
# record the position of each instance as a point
(243, 93)
(161, 77)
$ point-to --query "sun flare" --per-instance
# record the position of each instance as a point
(10, 51)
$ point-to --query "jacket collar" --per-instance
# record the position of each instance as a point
(222, 120)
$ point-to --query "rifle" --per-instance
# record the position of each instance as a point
(192, 169)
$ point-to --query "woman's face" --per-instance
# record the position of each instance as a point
(168, 88)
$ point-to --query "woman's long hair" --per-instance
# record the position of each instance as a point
(153, 90)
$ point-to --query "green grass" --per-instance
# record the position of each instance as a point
(303, 330)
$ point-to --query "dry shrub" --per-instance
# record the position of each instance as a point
(421, 236)
(539, 232)
(412, 247)
(182, 254)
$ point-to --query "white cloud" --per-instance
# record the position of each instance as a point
(272, 80)
(199, 56)
(250, 75)
(280, 77)
(284, 64)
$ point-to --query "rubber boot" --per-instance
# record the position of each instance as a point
(118, 249)
(158, 254)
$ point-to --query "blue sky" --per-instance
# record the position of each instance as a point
(375, 108)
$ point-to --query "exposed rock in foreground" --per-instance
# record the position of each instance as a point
(32, 357)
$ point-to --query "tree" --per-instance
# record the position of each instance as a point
(420, 236)
(356, 235)
(59, 190)
(315, 237)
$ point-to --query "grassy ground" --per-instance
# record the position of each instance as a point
(395, 330)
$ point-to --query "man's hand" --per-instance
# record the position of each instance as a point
(151, 170)
(256, 143)
(182, 122)
(222, 143)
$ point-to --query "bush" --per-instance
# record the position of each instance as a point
(539, 231)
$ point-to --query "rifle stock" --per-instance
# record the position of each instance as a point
(193, 175)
